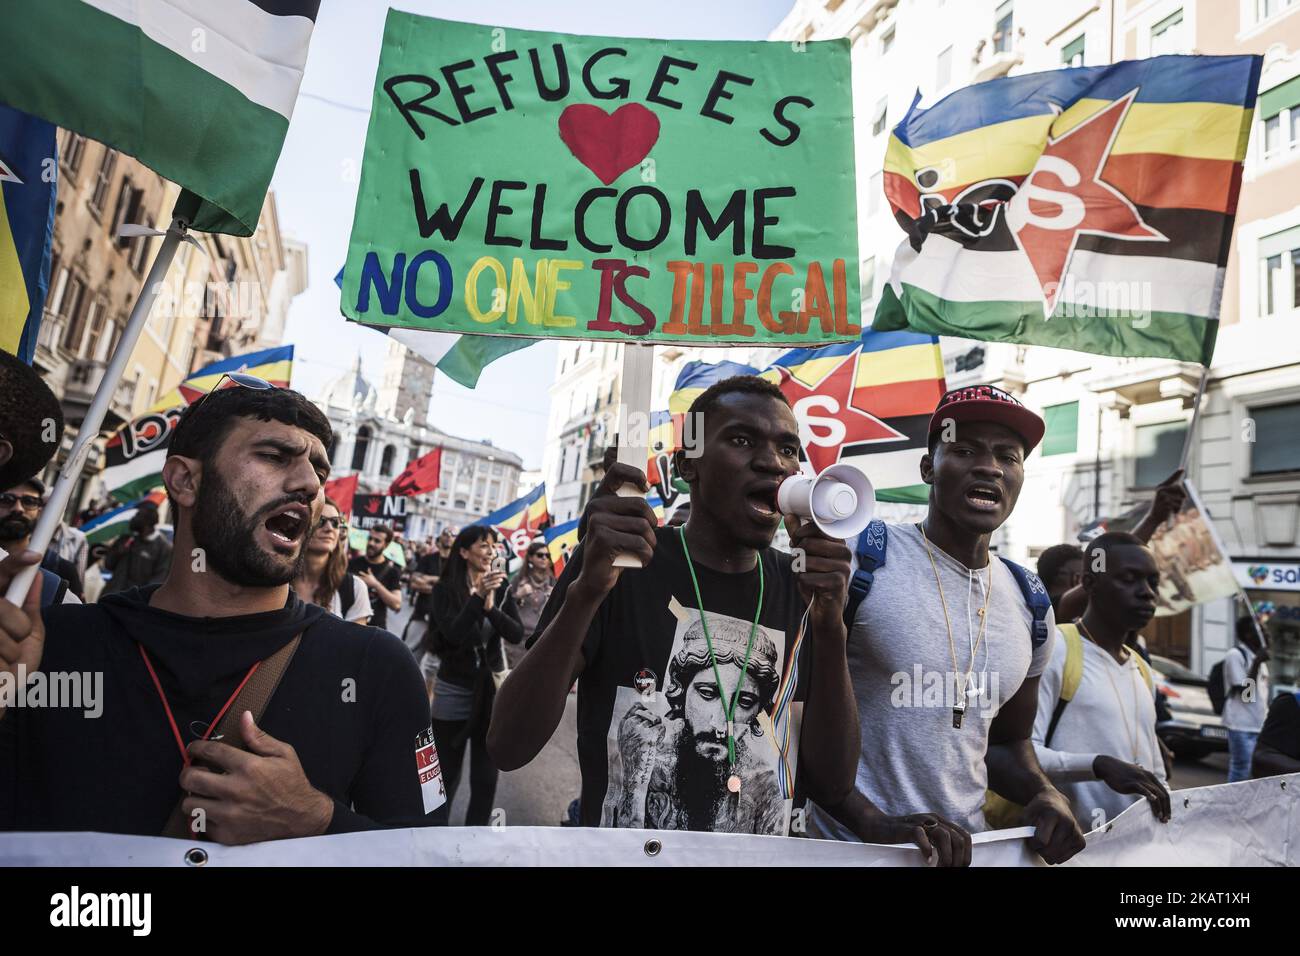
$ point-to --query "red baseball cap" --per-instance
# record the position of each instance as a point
(985, 403)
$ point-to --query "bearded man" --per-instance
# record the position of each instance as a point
(336, 747)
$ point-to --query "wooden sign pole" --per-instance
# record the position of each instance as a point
(634, 422)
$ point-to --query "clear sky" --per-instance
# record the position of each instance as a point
(316, 183)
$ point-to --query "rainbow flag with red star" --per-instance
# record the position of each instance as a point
(1087, 208)
(866, 403)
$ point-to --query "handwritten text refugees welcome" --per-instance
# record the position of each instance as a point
(563, 186)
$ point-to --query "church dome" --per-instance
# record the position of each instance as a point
(351, 390)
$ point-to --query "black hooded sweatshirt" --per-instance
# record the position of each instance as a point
(351, 703)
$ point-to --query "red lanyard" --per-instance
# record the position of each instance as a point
(185, 756)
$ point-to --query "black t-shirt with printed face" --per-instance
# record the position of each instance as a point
(651, 731)
(389, 575)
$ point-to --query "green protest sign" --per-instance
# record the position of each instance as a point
(557, 186)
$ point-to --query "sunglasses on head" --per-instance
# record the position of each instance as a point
(237, 379)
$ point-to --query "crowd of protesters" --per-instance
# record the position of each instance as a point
(723, 684)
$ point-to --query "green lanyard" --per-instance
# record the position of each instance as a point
(727, 710)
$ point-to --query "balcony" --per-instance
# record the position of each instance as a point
(84, 378)
(997, 54)
(1137, 381)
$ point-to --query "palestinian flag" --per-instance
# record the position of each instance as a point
(110, 526)
(136, 452)
(866, 403)
(1087, 209)
(199, 91)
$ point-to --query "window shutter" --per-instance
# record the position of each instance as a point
(1062, 434)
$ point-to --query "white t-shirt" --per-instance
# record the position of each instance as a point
(1239, 714)
(360, 606)
(1112, 707)
(913, 759)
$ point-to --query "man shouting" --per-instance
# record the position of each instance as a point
(336, 747)
(941, 610)
(703, 690)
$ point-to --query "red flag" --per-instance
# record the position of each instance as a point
(419, 476)
(342, 491)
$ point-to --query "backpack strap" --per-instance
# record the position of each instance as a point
(869, 550)
(1145, 669)
(1071, 677)
(256, 694)
(347, 594)
(53, 588)
(1035, 595)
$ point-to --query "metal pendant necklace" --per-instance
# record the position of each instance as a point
(963, 681)
(728, 709)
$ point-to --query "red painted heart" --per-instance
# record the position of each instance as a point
(609, 145)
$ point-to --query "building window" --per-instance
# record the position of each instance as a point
(874, 191)
(74, 149)
(1275, 449)
(359, 448)
(1062, 434)
(54, 301)
(1157, 451)
(1279, 259)
(886, 41)
(878, 118)
(71, 309)
(1003, 21)
(139, 253)
(943, 70)
(867, 279)
(1072, 52)
(1278, 110)
(95, 318)
(103, 178)
(1268, 9)
(386, 460)
(1167, 35)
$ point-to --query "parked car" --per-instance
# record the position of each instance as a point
(1185, 719)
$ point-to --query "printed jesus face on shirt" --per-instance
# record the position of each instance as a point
(703, 715)
(695, 698)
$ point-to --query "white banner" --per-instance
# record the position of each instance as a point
(1240, 824)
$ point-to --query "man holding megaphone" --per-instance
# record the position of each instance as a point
(945, 651)
(714, 675)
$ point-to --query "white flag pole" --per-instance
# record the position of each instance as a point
(52, 513)
(1196, 417)
(634, 428)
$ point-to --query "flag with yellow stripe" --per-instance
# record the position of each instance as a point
(27, 187)
(866, 403)
(1087, 208)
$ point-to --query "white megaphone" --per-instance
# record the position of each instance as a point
(840, 500)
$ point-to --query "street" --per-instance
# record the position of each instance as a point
(539, 794)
